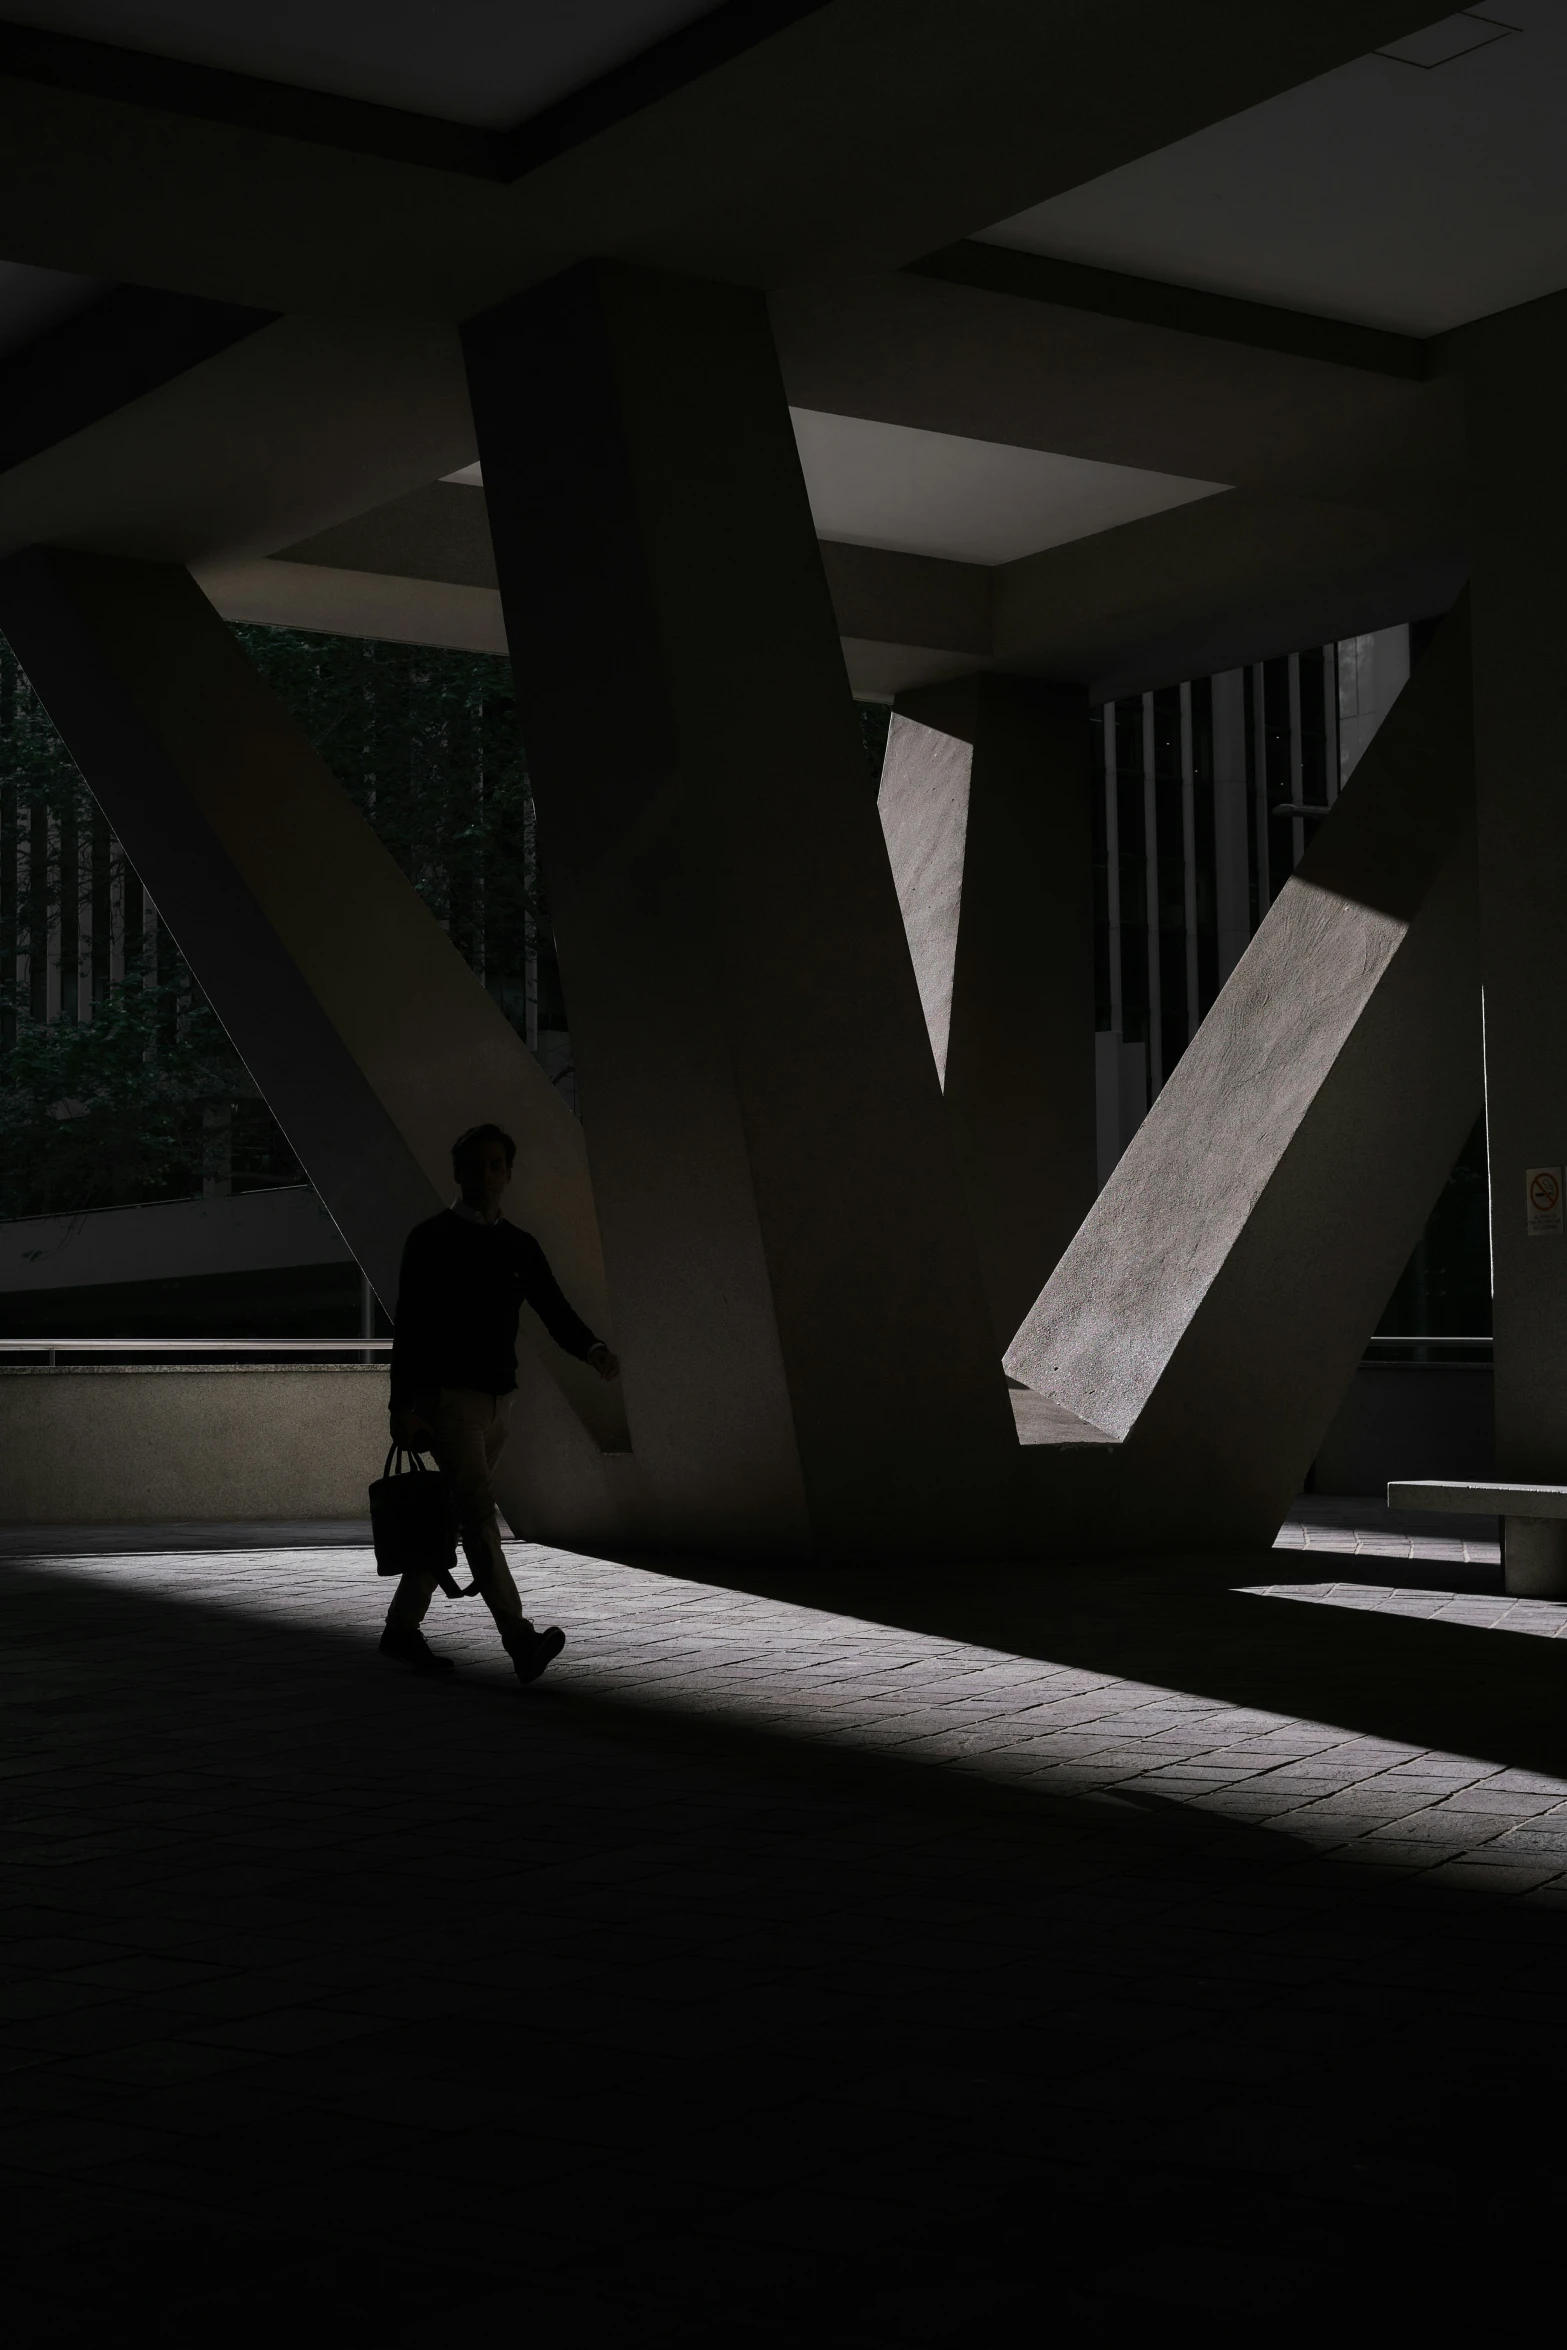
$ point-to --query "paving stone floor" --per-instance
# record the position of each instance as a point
(872, 1960)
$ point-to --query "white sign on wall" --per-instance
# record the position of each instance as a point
(1543, 1187)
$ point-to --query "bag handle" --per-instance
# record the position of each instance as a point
(446, 1579)
(396, 1453)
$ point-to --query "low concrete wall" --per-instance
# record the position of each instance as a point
(127, 1446)
(1409, 1420)
(133, 1445)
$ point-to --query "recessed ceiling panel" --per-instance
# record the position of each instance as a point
(1414, 189)
(932, 493)
(488, 62)
(935, 493)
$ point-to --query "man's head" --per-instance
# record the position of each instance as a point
(482, 1161)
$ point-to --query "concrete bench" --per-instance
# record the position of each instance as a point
(1534, 1527)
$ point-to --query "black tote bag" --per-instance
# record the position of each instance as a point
(413, 1522)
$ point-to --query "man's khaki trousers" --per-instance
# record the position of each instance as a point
(469, 1429)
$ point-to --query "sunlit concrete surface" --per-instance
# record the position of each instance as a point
(651, 1643)
(1127, 1945)
(1365, 1529)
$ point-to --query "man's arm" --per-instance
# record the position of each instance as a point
(544, 1293)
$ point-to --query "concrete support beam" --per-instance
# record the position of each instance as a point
(1213, 585)
(168, 1240)
(1035, 370)
(1516, 372)
(1213, 1307)
(399, 611)
(809, 1360)
(1222, 581)
(985, 806)
(366, 1032)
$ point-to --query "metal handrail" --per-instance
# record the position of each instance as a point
(1419, 1338)
(364, 1348)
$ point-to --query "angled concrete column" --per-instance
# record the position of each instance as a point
(1516, 371)
(809, 1360)
(366, 1032)
(985, 805)
(1211, 1311)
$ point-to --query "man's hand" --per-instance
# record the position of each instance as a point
(602, 1361)
(411, 1430)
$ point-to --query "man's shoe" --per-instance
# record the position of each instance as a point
(531, 1651)
(410, 1647)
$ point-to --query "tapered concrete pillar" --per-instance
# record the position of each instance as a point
(985, 806)
(370, 1038)
(1516, 371)
(797, 1296)
(1212, 1309)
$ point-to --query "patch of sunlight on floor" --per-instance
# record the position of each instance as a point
(1543, 1619)
(663, 1644)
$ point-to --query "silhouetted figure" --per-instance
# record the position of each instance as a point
(466, 1275)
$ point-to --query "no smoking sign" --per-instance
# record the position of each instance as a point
(1543, 1187)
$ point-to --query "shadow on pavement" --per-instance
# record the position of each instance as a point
(338, 2003)
(1199, 1625)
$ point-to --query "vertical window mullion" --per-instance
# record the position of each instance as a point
(1151, 897)
(1113, 873)
(1297, 765)
(1189, 857)
(1259, 751)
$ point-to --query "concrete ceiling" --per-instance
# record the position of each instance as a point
(1414, 189)
(1013, 457)
(1204, 585)
(34, 300)
(855, 134)
(474, 61)
(873, 484)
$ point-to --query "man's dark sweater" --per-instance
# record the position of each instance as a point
(463, 1285)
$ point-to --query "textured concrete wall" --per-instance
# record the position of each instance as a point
(125, 1447)
(1213, 1307)
(985, 805)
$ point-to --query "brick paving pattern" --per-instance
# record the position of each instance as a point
(860, 1960)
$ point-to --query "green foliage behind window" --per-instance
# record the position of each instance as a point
(117, 1080)
(425, 744)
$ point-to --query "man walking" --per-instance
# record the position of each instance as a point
(466, 1276)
